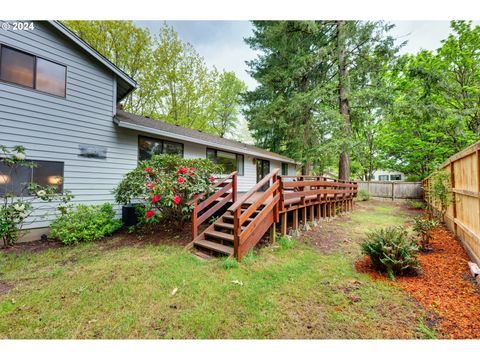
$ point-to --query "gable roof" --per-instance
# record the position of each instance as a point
(131, 121)
(125, 84)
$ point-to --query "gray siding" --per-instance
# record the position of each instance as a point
(51, 127)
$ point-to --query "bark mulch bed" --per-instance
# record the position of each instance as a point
(445, 287)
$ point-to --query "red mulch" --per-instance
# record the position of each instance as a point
(445, 286)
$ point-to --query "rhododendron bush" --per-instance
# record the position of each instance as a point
(166, 184)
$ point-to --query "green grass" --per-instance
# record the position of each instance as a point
(126, 292)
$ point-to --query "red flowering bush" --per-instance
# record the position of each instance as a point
(166, 183)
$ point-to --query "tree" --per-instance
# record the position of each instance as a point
(227, 102)
(293, 93)
(127, 46)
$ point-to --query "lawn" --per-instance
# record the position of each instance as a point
(282, 291)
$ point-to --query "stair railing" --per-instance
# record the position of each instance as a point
(247, 237)
(227, 185)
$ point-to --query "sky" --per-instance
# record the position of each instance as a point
(222, 44)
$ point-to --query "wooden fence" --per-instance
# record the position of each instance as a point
(463, 215)
(392, 190)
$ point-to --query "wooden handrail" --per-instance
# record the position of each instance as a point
(253, 190)
(197, 207)
(217, 184)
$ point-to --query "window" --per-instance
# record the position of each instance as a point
(284, 169)
(24, 69)
(231, 162)
(45, 173)
(17, 67)
(382, 177)
(50, 77)
(147, 147)
(395, 177)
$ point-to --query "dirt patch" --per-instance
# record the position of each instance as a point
(31, 247)
(159, 234)
(5, 287)
(445, 286)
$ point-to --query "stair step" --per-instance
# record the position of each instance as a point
(230, 217)
(219, 235)
(214, 246)
(202, 256)
(225, 225)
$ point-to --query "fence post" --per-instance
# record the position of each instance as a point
(393, 191)
(454, 200)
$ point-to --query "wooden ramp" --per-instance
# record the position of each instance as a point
(247, 219)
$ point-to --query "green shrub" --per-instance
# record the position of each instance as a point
(391, 250)
(422, 227)
(417, 205)
(85, 223)
(229, 263)
(166, 185)
(363, 195)
(286, 242)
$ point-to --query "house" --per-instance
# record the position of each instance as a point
(59, 98)
(387, 175)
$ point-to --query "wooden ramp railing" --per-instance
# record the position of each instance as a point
(267, 214)
(226, 192)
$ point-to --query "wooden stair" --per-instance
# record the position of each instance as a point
(217, 239)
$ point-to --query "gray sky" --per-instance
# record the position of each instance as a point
(221, 42)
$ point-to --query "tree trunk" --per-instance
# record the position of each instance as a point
(344, 162)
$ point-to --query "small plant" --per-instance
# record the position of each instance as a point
(440, 194)
(229, 263)
(423, 227)
(391, 250)
(363, 195)
(286, 242)
(85, 223)
(417, 205)
(249, 258)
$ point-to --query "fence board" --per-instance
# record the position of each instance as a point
(463, 215)
(392, 190)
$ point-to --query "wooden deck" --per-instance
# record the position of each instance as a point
(288, 200)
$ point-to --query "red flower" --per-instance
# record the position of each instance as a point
(212, 179)
(192, 169)
(149, 185)
(177, 199)
(155, 199)
(149, 170)
(178, 172)
(191, 173)
(180, 180)
(183, 170)
(149, 214)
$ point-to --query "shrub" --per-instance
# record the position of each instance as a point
(229, 263)
(440, 194)
(423, 228)
(167, 184)
(85, 223)
(417, 205)
(286, 242)
(391, 250)
(15, 208)
(363, 195)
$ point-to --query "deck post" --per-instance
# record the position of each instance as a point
(319, 211)
(283, 223)
(312, 213)
(194, 218)
(295, 220)
(304, 215)
(273, 232)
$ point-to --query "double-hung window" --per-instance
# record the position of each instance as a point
(229, 161)
(147, 147)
